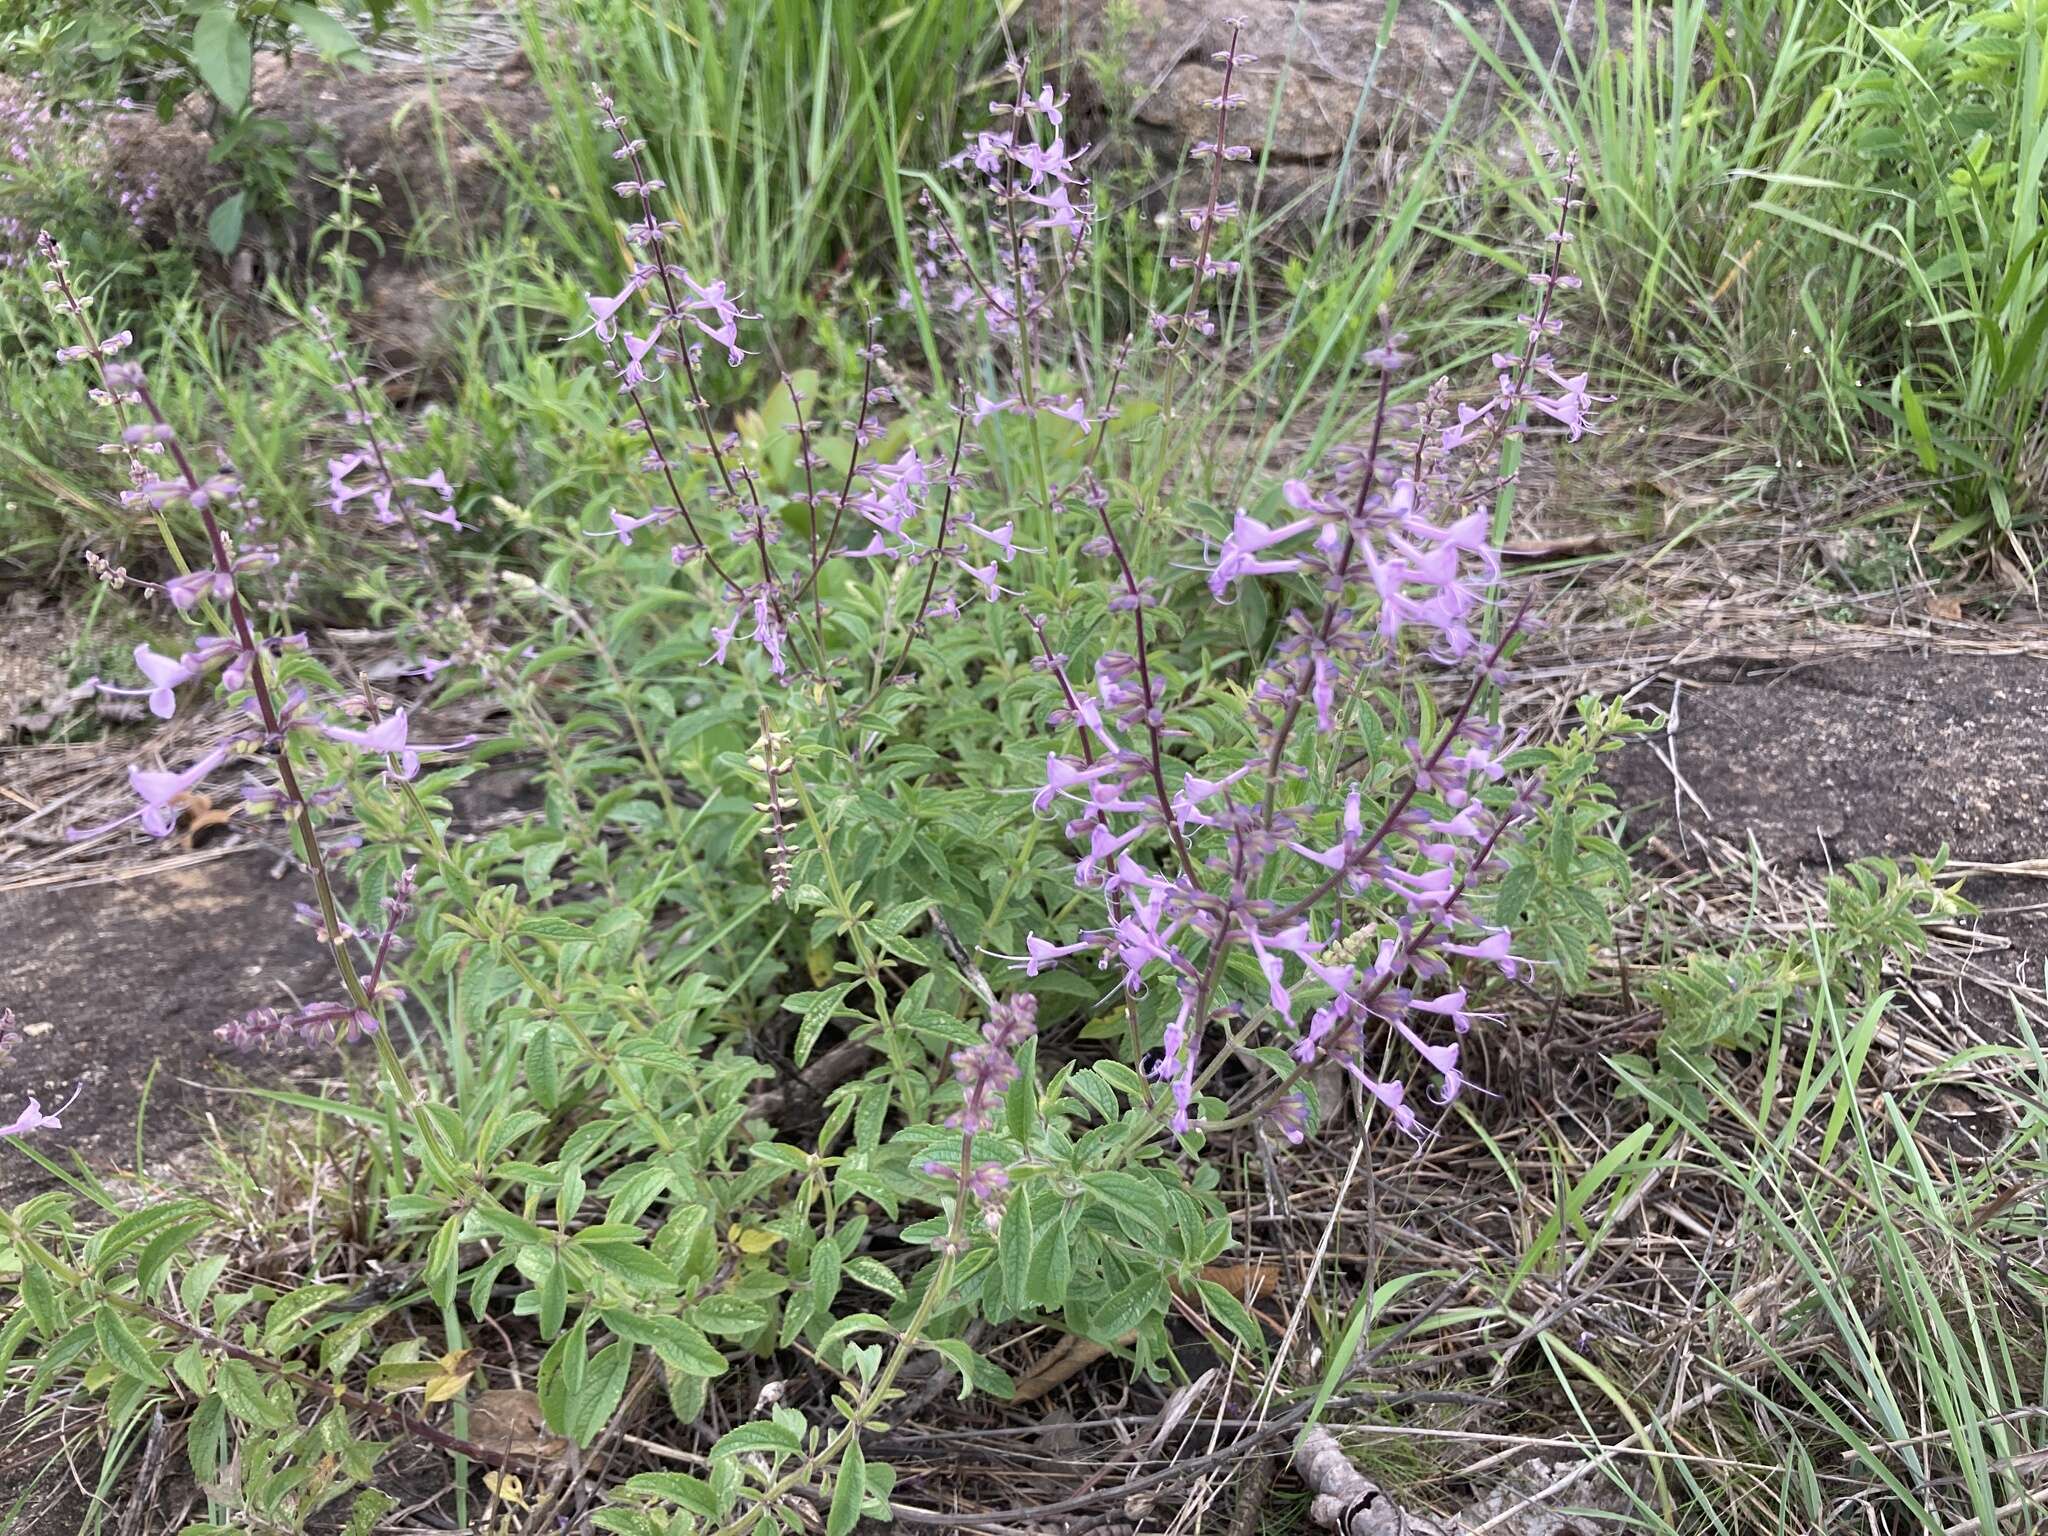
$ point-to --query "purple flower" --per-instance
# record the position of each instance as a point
(1040, 955)
(1075, 410)
(624, 527)
(985, 1071)
(604, 310)
(725, 315)
(1288, 1117)
(390, 737)
(158, 790)
(164, 674)
(33, 1118)
(721, 640)
(188, 591)
(1248, 537)
(985, 408)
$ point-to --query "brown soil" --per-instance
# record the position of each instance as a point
(1892, 753)
(119, 986)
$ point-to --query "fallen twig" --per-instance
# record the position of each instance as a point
(1346, 1500)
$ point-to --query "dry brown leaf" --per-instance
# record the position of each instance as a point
(1061, 1363)
(509, 1420)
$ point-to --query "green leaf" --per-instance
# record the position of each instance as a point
(693, 1493)
(40, 1297)
(223, 57)
(818, 1010)
(202, 1438)
(1051, 1269)
(554, 1297)
(1229, 1311)
(543, 925)
(123, 1348)
(224, 224)
(848, 1492)
(824, 1277)
(975, 1372)
(152, 1266)
(875, 1275)
(199, 1282)
(763, 1435)
(329, 37)
(541, 1073)
(604, 1383)
(287, 1312)
(138, 1228)
(1014, 1243)
(1916, 425)
(237, 1383)
(441, 1262)
(679, 1345)
(1120, 1315)
(636, 1266)
(732, 1317)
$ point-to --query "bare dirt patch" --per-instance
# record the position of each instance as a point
(120, 985)
(1895, 753)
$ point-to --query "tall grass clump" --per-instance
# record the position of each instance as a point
(779, 125)
(1826, 214)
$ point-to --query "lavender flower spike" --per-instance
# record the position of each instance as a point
(985, 1071)
(33, 1118)
(163, 673)
(159, 789)
(389, 736)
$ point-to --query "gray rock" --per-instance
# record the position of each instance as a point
(1321, 82)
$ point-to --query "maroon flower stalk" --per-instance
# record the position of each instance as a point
(1392, 549)
(1214, 211)
(200, 497)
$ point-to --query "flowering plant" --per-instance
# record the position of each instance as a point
(971, 683)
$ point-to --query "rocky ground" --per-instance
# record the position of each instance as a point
(1893, 753)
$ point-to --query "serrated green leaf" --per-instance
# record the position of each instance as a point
(604, 1384)
(692, 1493)
(240, 1387)
(199, 1282)
(1014, 1243)
(1051, 1269)
(124, 1348)
(729, 1317)
(203, 1437)
(287, 1312)
(1230, 1312)
(636, 1266)
(817, 1010)
(542, 1074)
(875, 1275)
(849, 1491)
(679, 1345)
(763, 1435)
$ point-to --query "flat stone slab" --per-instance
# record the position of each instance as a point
(1891, 753)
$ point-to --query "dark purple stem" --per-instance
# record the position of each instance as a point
(1156, 750)
(273, 724)
(820, 554)
(938, 549)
